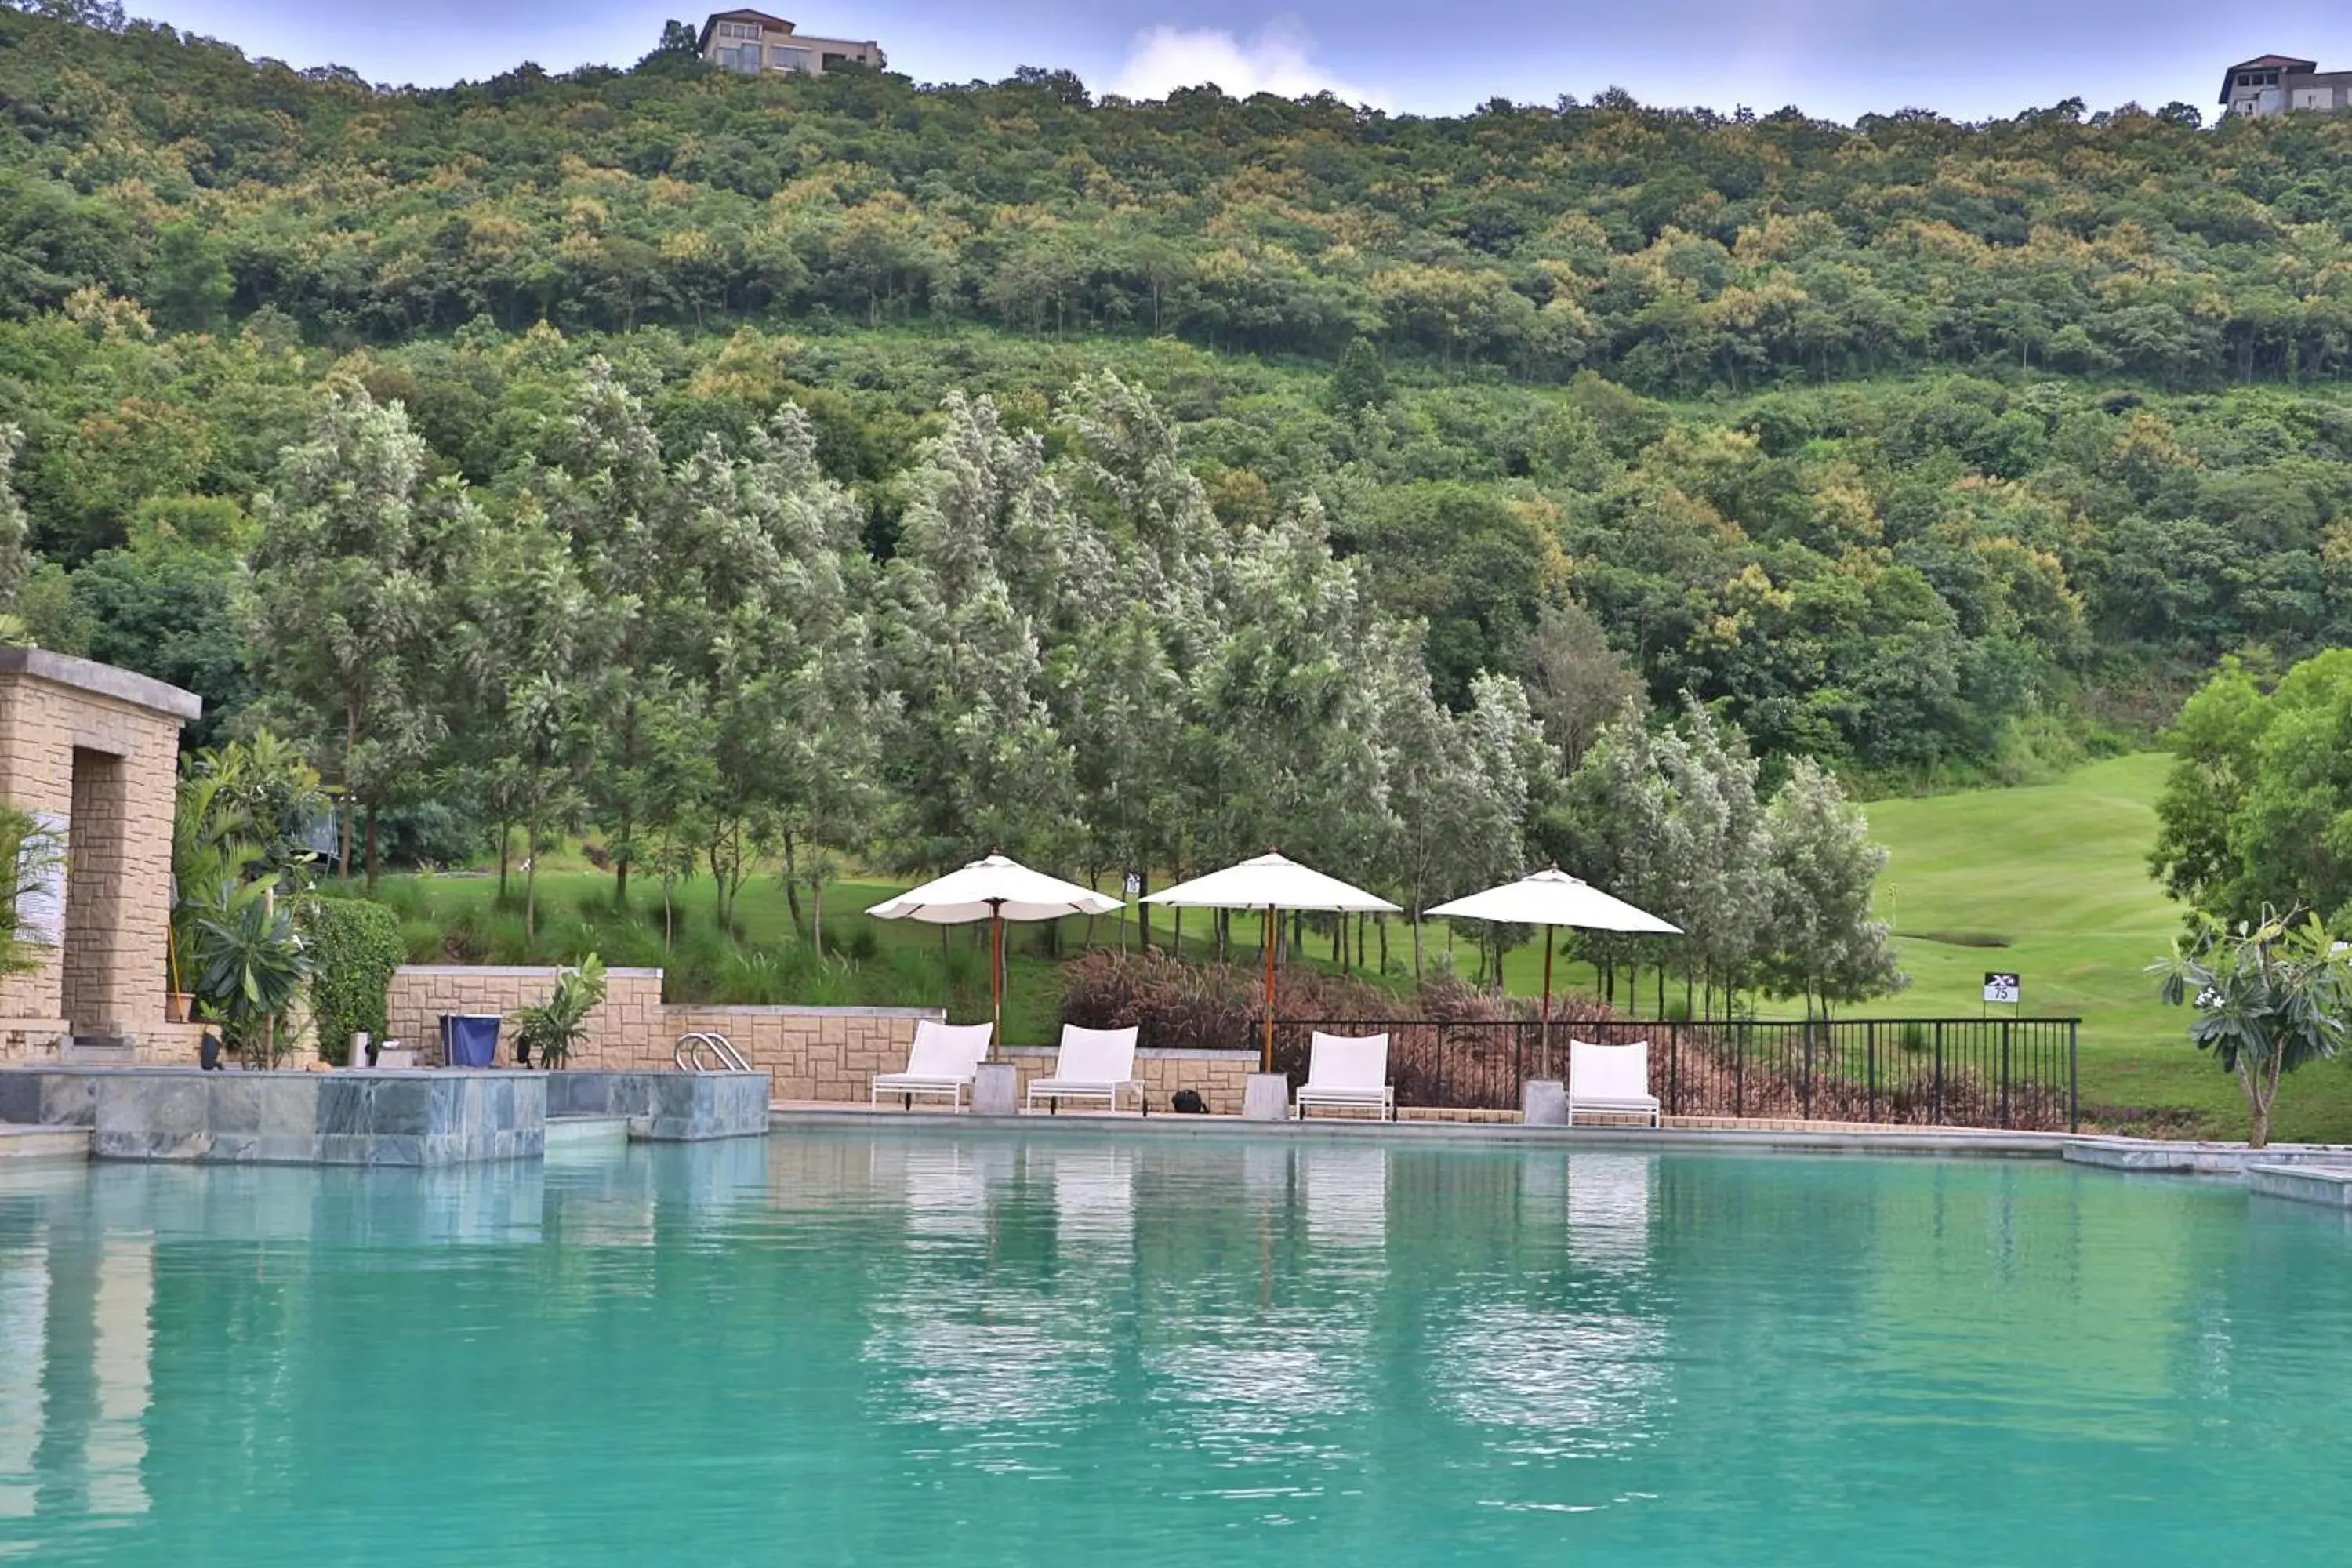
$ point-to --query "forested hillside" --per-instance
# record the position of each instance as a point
(1915, 447)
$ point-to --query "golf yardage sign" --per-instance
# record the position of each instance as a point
(2001, 987)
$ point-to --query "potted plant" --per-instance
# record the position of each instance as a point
(553, 1028)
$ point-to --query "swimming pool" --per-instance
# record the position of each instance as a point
(849, 1348)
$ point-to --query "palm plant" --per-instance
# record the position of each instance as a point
(30, 853)
(211, 858)
(551, 1029)
(238, 821)
(250, 965)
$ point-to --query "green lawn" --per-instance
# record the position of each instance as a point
(2058, 872)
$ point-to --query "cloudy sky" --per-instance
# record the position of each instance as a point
(1832, 58)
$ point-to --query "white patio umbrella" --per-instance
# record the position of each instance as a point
(1549, 899)
(994, 889)
(1272, 882)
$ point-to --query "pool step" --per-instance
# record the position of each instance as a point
(2330, 1186)
(43, 1142)
(97, 1051)
(583, 1133)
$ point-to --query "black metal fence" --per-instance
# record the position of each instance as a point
(2018, 1073)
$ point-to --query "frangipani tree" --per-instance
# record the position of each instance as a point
(2270, 996)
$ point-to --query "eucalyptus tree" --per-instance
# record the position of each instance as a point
(16, 556)
(1615, 825)
(1719, 881)
(793, 699)
(344, 631)
(1434, 785)
(676, 782)
(1124, 711)
(1284, 725)
(596, 472)
(974, 761)
(1512, 772)
(523, 661)
(1147, 557)
(1823, 943)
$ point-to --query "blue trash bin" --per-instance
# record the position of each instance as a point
(470, 1039)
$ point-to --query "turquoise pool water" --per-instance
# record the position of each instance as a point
(837, 1350)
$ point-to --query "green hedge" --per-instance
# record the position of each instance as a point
(354, 947)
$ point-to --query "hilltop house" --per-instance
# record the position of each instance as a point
(2274, 84)
(753, 41)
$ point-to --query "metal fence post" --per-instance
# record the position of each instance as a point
(1674, 1077)
(1673, 1041)
(1805, 1083)
(2006, 1118)
(1870, 1057)
(2074, 1076)
(1939, 1072)
(1739, 1076)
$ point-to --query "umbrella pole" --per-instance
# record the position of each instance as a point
(1265, 1053)
(1545, 1037)
(995, 978)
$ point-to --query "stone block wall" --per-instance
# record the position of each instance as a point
(622, 1031)
(812, 1053)
(1217, 1075)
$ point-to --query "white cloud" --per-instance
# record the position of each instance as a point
(1276, 61)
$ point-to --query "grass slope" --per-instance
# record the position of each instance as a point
(2060, 870)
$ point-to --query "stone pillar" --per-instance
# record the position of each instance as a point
(95, 945)
(1266, 1097)
(996, 1090)
(1543, 1102)
(93, 751)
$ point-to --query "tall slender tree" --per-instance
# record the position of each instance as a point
(1825, 946)
(344, 621)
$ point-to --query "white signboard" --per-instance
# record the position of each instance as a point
(1134, 884)
(2001, 987)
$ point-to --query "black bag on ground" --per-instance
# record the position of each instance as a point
(1188, 1101)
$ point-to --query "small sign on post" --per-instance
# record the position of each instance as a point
(2001, 987)
(1134, 884)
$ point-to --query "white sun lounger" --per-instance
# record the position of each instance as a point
(944, 1060)
(1094, 1064)
(1348, 1072)
(1611, 1081)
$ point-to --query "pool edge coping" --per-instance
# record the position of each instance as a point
(1978, 1144)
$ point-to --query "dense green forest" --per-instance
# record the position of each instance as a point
(1929, 450)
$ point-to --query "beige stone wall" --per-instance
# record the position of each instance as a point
(621, 1031)
(813, 1053)
(1218, 1075)
(109, 975)
(820, 1054)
